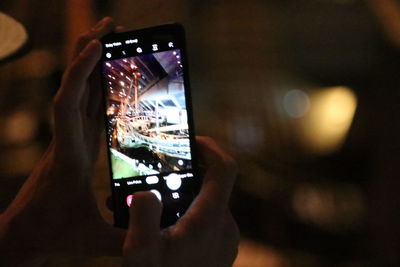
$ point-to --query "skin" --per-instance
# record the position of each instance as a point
(206, 235)
(42, 219)
(55, 213)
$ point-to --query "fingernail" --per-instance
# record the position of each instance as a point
(90, 47)
(91, 43)
(94, 42)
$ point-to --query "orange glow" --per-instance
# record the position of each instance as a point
(325, 126)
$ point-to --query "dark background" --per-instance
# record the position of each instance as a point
(300, 199)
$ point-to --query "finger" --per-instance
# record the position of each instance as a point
(67, 100)
(92, 98)
(144, 223)
(220, 172)
(94, 95)
(94, 102)
(103, 27)
(76, 76)
(218, 180)
(120, 28)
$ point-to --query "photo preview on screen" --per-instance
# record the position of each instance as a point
(147, 117)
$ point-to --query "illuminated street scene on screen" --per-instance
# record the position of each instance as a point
(146, 115)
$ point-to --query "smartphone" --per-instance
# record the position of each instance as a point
(149, 121)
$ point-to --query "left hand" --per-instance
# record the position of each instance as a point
(55, 212)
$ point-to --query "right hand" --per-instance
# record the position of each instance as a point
(205, 236)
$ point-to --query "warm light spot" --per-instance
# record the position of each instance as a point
(20, 127)
(325, 126)
(258, 255)
(110, 110)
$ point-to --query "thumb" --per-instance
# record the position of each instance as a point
(144, 223)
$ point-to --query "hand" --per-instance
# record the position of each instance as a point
(55, 213)
(206, 235)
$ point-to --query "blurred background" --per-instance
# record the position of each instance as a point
(303, 93)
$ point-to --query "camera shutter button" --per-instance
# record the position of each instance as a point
(174, 181)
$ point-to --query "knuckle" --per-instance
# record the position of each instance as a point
(229, 164)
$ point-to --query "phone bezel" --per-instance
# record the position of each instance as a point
(177, 31)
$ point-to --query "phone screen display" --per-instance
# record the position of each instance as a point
(148, 120)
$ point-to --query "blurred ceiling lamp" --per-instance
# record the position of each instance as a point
(325, 126)
(13, 37)
(20, 127)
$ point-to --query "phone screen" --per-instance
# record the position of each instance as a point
(149, 120)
